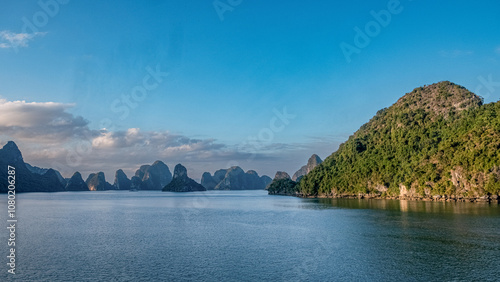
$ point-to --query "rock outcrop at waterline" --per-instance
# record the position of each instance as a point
(181, 182)
(34, 179)
(25, 180)
(76, 183)
(155, 176)
(121, 181)
(42, 171)
(234, 178)
(208, 181)
(282, 184)
(97, 182)
(438, 142)
(313, 162)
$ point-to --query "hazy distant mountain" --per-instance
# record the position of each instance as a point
(121, 181)
(219, 175)
(208, 181)
(97, 182)
(76, 183)
(135, 183)
(313, 161)
(42, 171)
(26, 181)
(234, 178)
(266, 180)
(181, 182)
(148, 177)
(155, 176)
(282, 184)
(142, 171)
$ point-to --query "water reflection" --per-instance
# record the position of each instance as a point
(249, 235)
(480, 209)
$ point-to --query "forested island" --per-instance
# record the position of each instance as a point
(156, 177)
(438, 142)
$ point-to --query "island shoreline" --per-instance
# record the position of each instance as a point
(485, 199)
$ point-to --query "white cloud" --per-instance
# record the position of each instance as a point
(128, 149)
(10, 39)
(49, 136)
(160, 143)
(41, 122)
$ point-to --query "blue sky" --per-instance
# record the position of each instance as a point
(229, 72)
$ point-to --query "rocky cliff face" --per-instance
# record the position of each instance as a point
(313, 161)
(155, 176)
(437, 142)
(219, 175)
(121, 181)
(281, 175)
(76, 183)
(141, 171)
(51, 176)
(97, 182)
(208, 181)
(26, 181)
(266, 180)
(11, 153)
(234, 178)
(135, 183)
(181, 182)
(282, 185)
(252, 181)
(42, 171)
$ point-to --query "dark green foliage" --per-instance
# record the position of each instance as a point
(283, 186)
(436, 140)
(181, 182)
(183, 185)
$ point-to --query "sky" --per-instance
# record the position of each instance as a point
(100, 85)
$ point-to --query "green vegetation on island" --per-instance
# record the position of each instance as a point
(439, 141)
(283, 187)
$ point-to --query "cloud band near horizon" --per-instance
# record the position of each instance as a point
(49, 136)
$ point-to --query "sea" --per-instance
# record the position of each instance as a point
(246, 236)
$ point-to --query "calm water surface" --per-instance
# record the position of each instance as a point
(248, 236)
